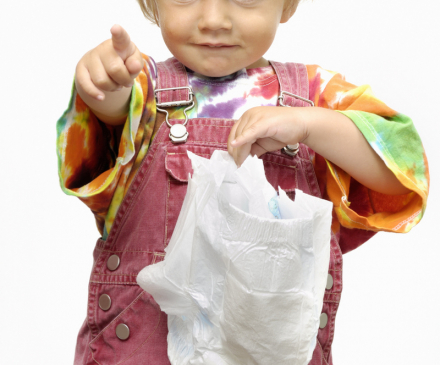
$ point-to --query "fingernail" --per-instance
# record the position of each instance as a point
(119, 88)
(100, 97)
(234, 141)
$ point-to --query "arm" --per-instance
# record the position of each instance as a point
(350, 168)
(352, 145)
(331, 134)
(96, 160)
(335, 137)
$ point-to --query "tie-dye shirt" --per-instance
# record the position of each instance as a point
(97, 162)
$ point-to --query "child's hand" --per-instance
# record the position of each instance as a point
(266, 128)
(110, 66)
(329, 133)
(102, 74)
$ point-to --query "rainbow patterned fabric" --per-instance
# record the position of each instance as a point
(97, 162)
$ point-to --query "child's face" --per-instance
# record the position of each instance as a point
(218, 37)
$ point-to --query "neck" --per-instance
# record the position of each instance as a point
(262, 62)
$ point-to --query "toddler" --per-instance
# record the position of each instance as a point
(122, 147)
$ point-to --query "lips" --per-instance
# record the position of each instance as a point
(216, 45)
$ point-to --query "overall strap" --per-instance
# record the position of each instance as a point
(293, 79)
(171, 74)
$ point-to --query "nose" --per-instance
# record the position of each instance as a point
(215, 15)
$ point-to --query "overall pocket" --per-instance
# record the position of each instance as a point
(126, 324)
(178, 166)
(137, 335)
(281, 171)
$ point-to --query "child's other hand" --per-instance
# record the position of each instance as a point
(330, 134)
(112, 65)
(265, 129)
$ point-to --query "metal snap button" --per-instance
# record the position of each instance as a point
(291, 150)
(178, 133)
(122, 331)
(329, 282)
(178, 130)
(113, 262)
(105, 302)
(323, 320)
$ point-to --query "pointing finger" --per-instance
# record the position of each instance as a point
(121, 42)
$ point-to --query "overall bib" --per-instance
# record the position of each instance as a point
(124, 324)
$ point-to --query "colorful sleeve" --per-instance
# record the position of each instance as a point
(394, 138)
(96, 161)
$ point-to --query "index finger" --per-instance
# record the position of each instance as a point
(121, 41)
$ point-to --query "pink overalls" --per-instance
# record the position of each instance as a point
(124, 324)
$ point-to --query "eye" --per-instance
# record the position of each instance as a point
(183, 1)
(247, 2)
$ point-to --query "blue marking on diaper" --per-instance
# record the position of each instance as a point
(274, 207)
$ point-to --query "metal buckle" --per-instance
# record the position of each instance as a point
(281, 98)
(175, 103)
(178, 133)
(292, 150)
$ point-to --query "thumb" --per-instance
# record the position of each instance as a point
(121, 42)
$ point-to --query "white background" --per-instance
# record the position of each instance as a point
(389, 312)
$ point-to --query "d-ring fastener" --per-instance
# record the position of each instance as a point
(178, 132)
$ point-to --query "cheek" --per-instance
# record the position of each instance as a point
(171, 32)
(260, 32)
(174, 26)
(260, 45)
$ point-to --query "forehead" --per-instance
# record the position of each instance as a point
(152, 3)
(150, 8)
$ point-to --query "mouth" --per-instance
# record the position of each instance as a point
(216, 45)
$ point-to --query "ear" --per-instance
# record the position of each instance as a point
(289, 10)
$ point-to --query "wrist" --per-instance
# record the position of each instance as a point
(113, 110)
(323, 125)
(312, 120)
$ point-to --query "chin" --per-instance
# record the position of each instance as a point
(212, 69)
(216, 73)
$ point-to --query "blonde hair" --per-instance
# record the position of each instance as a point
(149, 8)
